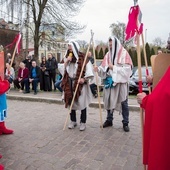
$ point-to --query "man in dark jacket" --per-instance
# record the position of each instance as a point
(28, 62)
(34, 78)
(51, 67)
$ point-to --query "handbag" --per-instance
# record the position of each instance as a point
(46, 73)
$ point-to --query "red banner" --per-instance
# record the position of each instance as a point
(17, 42)
(2, 65)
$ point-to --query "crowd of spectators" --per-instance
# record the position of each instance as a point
(30, 74)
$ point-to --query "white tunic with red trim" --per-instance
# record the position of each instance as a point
(120, 75)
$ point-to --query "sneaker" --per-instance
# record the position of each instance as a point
(72, 125)
(126, 128)
(107, 124)
(20, 91)
(82, 126)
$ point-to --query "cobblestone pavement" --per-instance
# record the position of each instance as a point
(56, 97)
(39, 142)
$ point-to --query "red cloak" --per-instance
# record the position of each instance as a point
(4, 86)
(156, 153)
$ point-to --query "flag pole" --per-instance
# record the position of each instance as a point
(140, 88)
(146, 63)
(16, 45)
(72, 102)
(140, 77)
(2, 63)
(97, 82)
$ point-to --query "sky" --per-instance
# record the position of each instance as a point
(98, 15)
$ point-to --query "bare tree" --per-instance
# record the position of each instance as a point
(54, 11)
(46, 12)
(83, 44)
(118, 30)
(168, 43)
(11, 6)
(158, 42)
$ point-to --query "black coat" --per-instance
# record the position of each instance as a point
(27, 63)
(52, 65)
(37, 69)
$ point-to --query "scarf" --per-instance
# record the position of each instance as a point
(119, 52)
(66, 84)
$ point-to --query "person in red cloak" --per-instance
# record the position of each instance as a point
(4, 86)
(156, 148)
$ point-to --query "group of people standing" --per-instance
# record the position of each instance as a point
(115, 70)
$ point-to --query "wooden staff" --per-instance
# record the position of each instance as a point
(2, 64)
(146, 63)
(13, 55)
(72, 102)
(97, 83)
(140, 87)
(140, 78)
(139, 70)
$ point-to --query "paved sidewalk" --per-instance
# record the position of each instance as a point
(39, 142)
(55, 97)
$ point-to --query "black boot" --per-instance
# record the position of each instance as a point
(107, 124)
(126, 127)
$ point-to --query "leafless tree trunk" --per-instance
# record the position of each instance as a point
(27, 29)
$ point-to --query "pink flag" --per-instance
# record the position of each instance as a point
(135, 16)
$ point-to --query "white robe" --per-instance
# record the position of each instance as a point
(120, 74)
(86, 96)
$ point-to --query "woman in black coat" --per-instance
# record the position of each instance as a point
(44, 76)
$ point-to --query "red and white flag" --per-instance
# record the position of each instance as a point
(17, 42)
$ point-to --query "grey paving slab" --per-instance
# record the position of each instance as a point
(39, 142)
